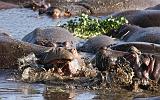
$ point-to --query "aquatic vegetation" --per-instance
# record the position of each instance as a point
(85, 27)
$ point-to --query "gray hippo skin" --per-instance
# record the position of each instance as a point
(132, 33)
(145, 65)
(94, 44)
(12, 49)
(153, 55)
(4, 5)
(142, 18)
(102, 6)
(50, 36)
(76, 7)
(144, 47)
(157, 7)
(109, 6)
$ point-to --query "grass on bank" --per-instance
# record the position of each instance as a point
(85, 26)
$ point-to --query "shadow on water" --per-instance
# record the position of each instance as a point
(20, 22)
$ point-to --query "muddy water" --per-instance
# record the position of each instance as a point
(19, 22)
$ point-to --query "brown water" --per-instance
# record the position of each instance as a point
(20, 22)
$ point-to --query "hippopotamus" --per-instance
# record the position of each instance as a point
(144, 65)
(110, 6)
(76, 7)
(12, 49)
(51, 37)
(157, 7)
(144, 47)
(5, 5)
(92, 45)
(132, 33)
(102, 6)
(150, 57)
(142, 18)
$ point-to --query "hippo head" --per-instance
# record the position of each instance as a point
(125, 31)
(63, 60)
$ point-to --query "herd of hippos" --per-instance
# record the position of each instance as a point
(138, 41)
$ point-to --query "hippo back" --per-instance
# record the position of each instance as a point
(95, 43)
(109, 6)
(142, 18)
(12, 49)
(144, 47)
(157, 7)
(132, 33)
(49, 36)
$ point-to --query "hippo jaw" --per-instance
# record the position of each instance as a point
(58, 54)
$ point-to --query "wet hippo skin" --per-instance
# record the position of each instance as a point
(96, 7)
(4, 5)
(142, 18)
(132, 33)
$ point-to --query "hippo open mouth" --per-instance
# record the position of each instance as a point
(59, 60)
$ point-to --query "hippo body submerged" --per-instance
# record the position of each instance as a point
(104, 6)
(50, 36)
(142, 46)
(109, 6)
(94, 44)
(11, 50)
(132, 33)
(142, 18)
(76, 7)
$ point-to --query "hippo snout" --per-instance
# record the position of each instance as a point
(59, 53)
